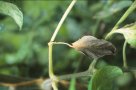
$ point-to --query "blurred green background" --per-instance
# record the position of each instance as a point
(25, 53)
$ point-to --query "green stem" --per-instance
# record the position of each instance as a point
(50, 60)
(54, 85)
(92, 65)
(129, 11)
(51, 74)
(62, 20)
(62, 43)
(124, 55)
(88, 72)
(90, 85)
(74, 75)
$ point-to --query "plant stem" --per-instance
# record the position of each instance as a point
(129, 11)
(62, 20)
(50, 60)
(88, 72)
(54, 85)
(62, 43)
(51, 74)
(124, 55)
(92, 65)
(74, 75)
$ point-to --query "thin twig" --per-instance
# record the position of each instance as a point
(92, 65)
(124, 55)
(51, 73)
(75, 75)
(88, 72)
(122, 19)
(63, 43)
(62, 20)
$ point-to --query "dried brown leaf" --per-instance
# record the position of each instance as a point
(93, 47)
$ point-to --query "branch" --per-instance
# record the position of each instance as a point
(62, 20)
(51, 74)
(122, 19)
(124, 55)
(63, 44)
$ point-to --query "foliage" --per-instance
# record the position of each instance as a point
(104, 78)
(25, 53)
(129, 32)
(13, 11)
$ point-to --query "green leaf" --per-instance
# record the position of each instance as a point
(12, 11)
(129, 32)
(104, 78)
(125, 79)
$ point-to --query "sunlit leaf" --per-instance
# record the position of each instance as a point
(104, 78)
(93, 47)
(12, 11)
(129, 32)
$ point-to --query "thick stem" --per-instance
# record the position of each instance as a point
(124, 55)
(129, 11)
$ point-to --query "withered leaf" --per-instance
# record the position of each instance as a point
(93, 47)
